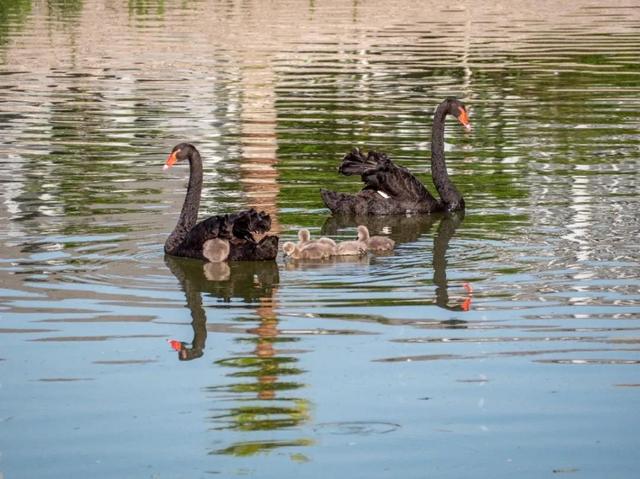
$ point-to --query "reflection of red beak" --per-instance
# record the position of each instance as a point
(466, 304)
(176, 345)
(171, 160)
(463, 118)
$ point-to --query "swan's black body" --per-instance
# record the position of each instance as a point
(391, 189)
(188, 237)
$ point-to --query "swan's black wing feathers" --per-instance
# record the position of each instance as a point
(379, 173)
(210, 228)
(236, 227)
(389, 188)
(357, 163)
(265, 249)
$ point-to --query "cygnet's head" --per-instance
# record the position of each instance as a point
(288, 248)
(363, 233)
(304, 235)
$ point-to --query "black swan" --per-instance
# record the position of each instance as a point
(391, 189)
(191, 239)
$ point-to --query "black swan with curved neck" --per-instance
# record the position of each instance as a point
(192, 240)
(390, 189)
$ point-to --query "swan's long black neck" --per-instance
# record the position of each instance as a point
(189, 213)
(449, 195)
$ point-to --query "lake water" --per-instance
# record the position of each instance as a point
(388, 366)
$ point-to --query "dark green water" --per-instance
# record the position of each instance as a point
(376, 368)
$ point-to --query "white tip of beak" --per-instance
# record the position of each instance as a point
(165, 167)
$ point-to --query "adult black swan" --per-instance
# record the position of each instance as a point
(390, 189)
(191, 239)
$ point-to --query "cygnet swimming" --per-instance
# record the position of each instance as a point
(375, 243)
(312, 250)
(350, 248)
(304, 238)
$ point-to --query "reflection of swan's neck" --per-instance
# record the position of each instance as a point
(189, 213)
(446, 230)
(188, 279)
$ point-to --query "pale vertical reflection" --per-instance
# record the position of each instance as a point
(581, 219)
(258, 139)
(10, 193)
(466, 53)
(10, 209)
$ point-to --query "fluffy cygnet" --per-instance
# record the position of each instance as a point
(312, 250)
(304, 238)
(216, 250)
(350, 248)
(375, 243)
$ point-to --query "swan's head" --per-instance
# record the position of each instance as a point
(456, 108)
(180, 152)
(304, 235)
(288, 248)
(363, 233)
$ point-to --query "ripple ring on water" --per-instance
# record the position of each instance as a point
(356, 428)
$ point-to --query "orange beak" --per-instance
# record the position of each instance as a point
(464, 119)
(171, 160)
(466, 305)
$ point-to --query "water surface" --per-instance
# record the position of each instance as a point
(500, 342)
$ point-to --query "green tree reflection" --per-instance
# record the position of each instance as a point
(267, 401)
(262, 400)
(13, 14)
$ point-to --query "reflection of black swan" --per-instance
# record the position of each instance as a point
(408, 229)
(391, 189)
(190, 239)
(446, 230)
(247, 281)
(402, 229)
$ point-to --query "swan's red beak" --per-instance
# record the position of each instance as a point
(463, 118)
(171, 160)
